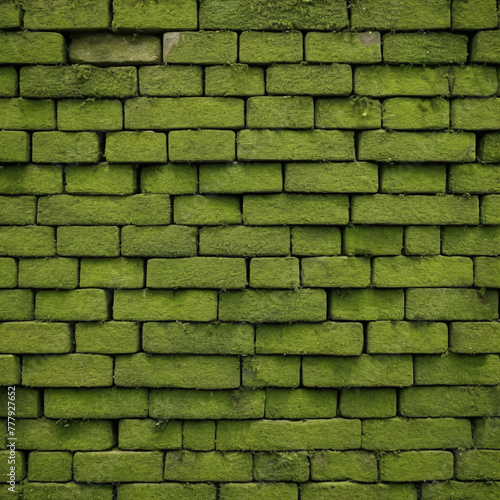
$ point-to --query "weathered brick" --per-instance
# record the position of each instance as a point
(198, 435)
(16, 305)
(266, 48)
(10, 14)
(179, 491)
(85, 114)
(416, 466)
(100, 179)
(474, 178)
(489, 148)
(59, 491)
(354, 491)
(368, 403)
(457, 489)
(27, 241)
(28, 402)
(279, 491)
(270, 371)
(31, 179)
(487, 272)
(309, 241)
(351, 113)
(281, 466)
(424, 178)
(171, 80)
(478, 464)
(273, 272)
(148, 434)
(234, 80)
(344, 272)
(341, 465)
(88, 241)
(378, 240)
(280, 112)
(10, 370)
(207, 210)
(50, 466)
(26, 114)
(8, 273)
(169, 179)
(14, 146)
(301, 403)
(19, 210)
(110, 337)
(481, 240)
(136, 147)
(487, 433)
(201, 145)
(475, 14)
(408, 113)
(422, 240)
(8, 82)
(475, 114)
(121, 272)
(490, 209)
(26, 47)
(475, 337)
(48, 273)
(66, 147)
(484, 47)
(472, 80)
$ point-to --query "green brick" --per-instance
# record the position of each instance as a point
(28, 402)
(17, 210)
(121, 272)
(60, 491)
(50, 466)
(367, 403)
(182, 371)
(26, 114)
(72, 305)
(78, 80)
(95, 402)
(348, 272)
(423, 178)
(159, 241)
(407, 113)
(201, 145)
(280, 112)
(8, 82)
(425, 48)
(309, 241)
(365, 370)
(351, 113)
(14, 146)
(16, 305)
(196, 338)
(301, 403)
(270, 371)
(487, 432)
(343, 47)
(89, 114)
(475, 114)
(244, 241)
(340, 339)
(196, 272)
(259, 491)
(460, 489)
(149, 434)
(189, 404)
(67, 370)
(274, 272)
(234, 80)
(416, 466)
(47, 435)
(279, 306)
(240, 15)
(472, 80)
(316, 80)
(400, 14)
(48, 273)
(171, 80)
(202, 47)
(379, 240)
(27, 241)
(484, 47)
(31, 179)
(111, 337)
(136, 147)
(478, 464)
(442, 401)
(184, 112)
(487, 272)
(207, 210)
(169, 179)
(353, 491)
(66, 147)
(451, 304)
(366, 304)
(100, 179)
(239, 178)
(88, 241)
(482, 240)
(284, 435)
(11, 15)
(25, 47)
(270, 209)
(266, 48)
(157, 491)
(490, 209)
(35, 337)
(489, 148)
(10, 369)
(474, 14)
(405, 337)
(198, 435)
(414, 209)
(8, 273)
(473, 178)
(165, 305)
(475, 337)
(386, 81)
(118, 466)
(281, 466)
(341, 465)
(417, 434)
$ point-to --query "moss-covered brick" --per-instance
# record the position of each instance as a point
(475, 114)
(456, 489)
(14, 146)
(100, 179)
(95, 403)
(281, 466)
(240, 15)
(284, 435)
(50, 466)
(110, 337)
(47, 435)
(31, 179)
(385, 81)
(474, 14)
(341, 465)
(478, 464)
(60, 491)
(259, 491)
(301, 403)
(472, 80)
(27, 241)
(423, 178)
(490, 209)
(351, 113)
(234, 80)
(316, 80)
(417, 434)
(472, 178)
(148, 434)
(66, 147)
(16, 305)
(367, 403)
(121, 272)
(89, 114)
(165, 305)
(118, 466)
(310, 241)
(280, 112)
(8, 273)
(340, 339)
(407, 113)
(72, 305)
(485, 48)
(207, 210)
(414, 209)
(170, 179)
(376, 240)
(189, 404)
(201, 145)
(25, 47)
(136, 147)
(444, 401)
(171, 80)
(184, 112)
(78, 81)
(27, 114)
(416, 466)
(10, 14)
(345, 272)
(197, 338)
(398, 337)
(10, 369)
(451, 304)
(280, 306)
(482, 240)
(182, 371)
(274, 272)
(487, 432)
(353, 491)
(489, 148)
(18, 210)
(13, 457)
(270, 371)
(57, 272)
(487, 272)
(366, 304)
(157, 491)
(244, 241)
(475, 337)
(198, 435)
(239, 178)
(88, 241)
(266, 48)
(8, 82)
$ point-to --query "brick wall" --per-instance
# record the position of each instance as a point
(249, 249)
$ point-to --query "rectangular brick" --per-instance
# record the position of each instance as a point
(207, 210)
(472, 490)
(25, 114)
(300, 403)
(148, 434)
(27, 47)
(83, 114)
(102, 178)
(8, 273)
(474, 178)
(490, 209)
(368, 403)
(341, 272)
(35, 337)
(66, 147)
(487, 272)
(171, 81)
(348, 112)
(484, 47)
(201, 145)
(27, 241)
(489, 148)
(422, 240)
(109, 337)
(281, 466)
(341, 465)
(14, 146)
(11, 15)
(409, 113)
(487, 432)
(376, 240)
(408, 179)
(169, 179)
(181, 491)
(234, 80)
(481, 240)
(274, 272)
(121, 272)
(267, 48)
(430, 465)
(280, 112)
(136, 147)
(19, 210)
(472, 80)
(475, 14)
(88, 241)
(475, 337)
(315, 240)
(270, 371)
(68, 490)
(10, 370)
(31, 179)
(475, 114)
(16, 305)
(478, 465)
(355, 491)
